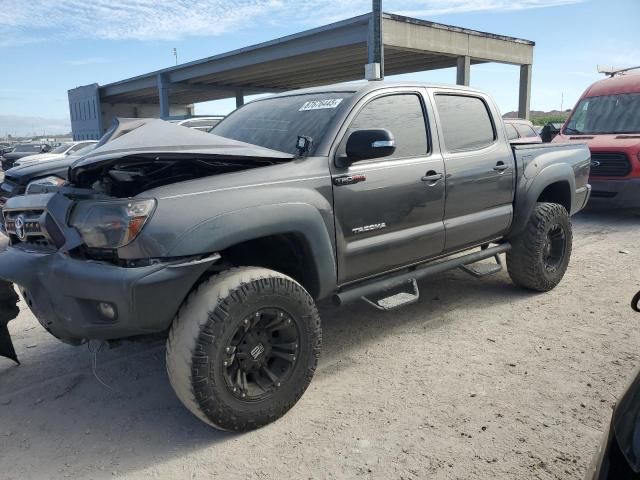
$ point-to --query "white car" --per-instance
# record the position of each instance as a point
(64, 150)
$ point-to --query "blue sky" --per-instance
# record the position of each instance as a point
(49, 46)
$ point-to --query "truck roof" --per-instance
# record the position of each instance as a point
(629, 83)
(365, 86)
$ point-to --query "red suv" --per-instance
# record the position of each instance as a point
(607, 118)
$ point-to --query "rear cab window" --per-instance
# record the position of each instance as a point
(526, 130)
(465, 122)
(512, 134)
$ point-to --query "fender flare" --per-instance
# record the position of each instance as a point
(231, 228)
(528, 193)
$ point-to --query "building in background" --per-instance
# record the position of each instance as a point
(368, 46)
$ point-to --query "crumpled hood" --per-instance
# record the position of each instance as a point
(156, 137)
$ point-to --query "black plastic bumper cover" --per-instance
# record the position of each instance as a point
(618, 193)
(8, 311)
(63, 293)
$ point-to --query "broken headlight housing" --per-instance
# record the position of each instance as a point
(111, 223)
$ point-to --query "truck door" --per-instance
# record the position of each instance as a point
(479, 168)
(389, 210)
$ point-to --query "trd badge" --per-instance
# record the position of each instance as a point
(348, 180)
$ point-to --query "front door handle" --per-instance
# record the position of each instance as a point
(431, 176)
(500, 166)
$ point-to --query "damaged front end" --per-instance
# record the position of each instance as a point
(66, 242)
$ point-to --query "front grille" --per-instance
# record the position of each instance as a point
(32, 227)
(610, 165)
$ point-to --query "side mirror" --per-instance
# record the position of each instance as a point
(45, 148)
(367, 144)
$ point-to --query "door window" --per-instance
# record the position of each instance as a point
(466, 123)
(402, 115)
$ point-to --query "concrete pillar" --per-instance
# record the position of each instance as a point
(239, 98)
(524, 101)
(163, 96)
(375, 45)
(464, 70)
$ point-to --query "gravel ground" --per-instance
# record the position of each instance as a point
(477, 380)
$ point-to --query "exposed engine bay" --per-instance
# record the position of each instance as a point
(130, 176)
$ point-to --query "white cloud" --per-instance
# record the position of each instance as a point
(441, 7)
(39, 20)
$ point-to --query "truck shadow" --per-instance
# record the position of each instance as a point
(57, 418)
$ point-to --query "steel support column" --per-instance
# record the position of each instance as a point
(524, 101)
(163, 95)
(463, 73)
(239, 98)
(375, 45)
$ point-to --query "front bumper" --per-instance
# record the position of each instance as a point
(616, 193)
(63, 293)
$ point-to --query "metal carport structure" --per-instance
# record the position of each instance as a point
(391, 44)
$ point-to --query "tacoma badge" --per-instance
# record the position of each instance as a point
(369, 228)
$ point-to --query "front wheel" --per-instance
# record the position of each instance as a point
(540, 255)
(243, 348)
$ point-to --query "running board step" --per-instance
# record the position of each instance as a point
(396, 300)
(363, 290)
(480, 270)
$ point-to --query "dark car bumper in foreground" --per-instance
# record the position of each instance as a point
(618, 193)
(618, 457)
(70, 297)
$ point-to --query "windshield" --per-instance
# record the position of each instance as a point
(61, 149)
(607, 114)
(276, 123)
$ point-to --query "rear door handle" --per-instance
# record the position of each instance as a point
(500, 166)
(431, 176)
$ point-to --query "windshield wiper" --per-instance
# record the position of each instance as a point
(575, 131)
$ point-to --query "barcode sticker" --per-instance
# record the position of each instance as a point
(320, 104)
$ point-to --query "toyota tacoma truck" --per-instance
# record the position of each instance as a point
(226, 241)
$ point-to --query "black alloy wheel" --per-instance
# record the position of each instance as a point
(261, 354)
(554, 248)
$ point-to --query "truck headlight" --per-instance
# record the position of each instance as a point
(35, 186)
(111, 223)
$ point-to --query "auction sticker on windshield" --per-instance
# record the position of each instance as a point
(320, 104)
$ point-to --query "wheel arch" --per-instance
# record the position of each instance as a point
(257, 236)
(554, 184)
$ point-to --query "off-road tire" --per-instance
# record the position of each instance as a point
(205, 324)
(526, 259)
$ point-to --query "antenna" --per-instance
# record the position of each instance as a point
(175, 54)
(613, 71)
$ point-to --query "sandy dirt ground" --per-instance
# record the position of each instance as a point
(477, 380)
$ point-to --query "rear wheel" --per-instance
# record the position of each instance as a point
(540, 254)
(243, 348)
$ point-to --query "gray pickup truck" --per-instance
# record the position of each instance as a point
(226, 241)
